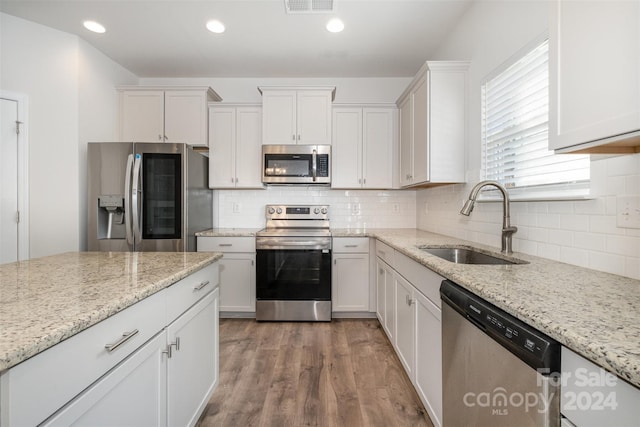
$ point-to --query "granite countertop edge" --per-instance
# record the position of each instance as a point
(70, 327)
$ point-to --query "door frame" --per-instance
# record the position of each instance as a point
(23, 170)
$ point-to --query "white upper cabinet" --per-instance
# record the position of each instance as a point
(296, 115)
(594, 79)
(235, 138)
(155, 114)
(362, 148)
(432, 125)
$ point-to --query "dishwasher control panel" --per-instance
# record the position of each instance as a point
(535, 348)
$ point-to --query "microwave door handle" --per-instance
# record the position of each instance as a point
(135, 193)
(127, 200)
(314, 164)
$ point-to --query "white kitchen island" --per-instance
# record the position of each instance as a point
(108, 338)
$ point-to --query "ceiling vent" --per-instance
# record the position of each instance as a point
(308, 6)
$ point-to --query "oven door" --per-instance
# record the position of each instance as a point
(293, 283)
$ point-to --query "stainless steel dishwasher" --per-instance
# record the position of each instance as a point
(497, 370)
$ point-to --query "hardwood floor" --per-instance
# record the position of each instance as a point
(342, 373)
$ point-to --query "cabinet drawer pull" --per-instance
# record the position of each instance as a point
(350, 246)
(125, 337)
(382, 253)
(225, 244)
(201, 285)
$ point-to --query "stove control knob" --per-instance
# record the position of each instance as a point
(324, 211)
(316, 211)
(279, 211)
(271, 211)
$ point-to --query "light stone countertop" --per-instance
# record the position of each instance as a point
(46, 300)
(229, 232)
(593, 313)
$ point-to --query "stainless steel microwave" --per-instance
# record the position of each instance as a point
(296, 164)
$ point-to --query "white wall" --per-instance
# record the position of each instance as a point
(68, 84)
(583, 232)
(42, 63)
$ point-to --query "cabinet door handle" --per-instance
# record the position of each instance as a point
(201, 285)
(159, 137)
(125, 337)
(298, 137)
(236, 180)
(167, 351)
(381, 271)
(293, 137)
(176, 344)
(382, 253)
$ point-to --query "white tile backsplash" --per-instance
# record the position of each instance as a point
(580, 232)
(348, 208)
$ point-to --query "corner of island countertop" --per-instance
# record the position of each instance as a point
(46, 300)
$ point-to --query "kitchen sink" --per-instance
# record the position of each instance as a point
(465, 255)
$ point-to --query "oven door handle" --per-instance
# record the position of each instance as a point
(298, 244)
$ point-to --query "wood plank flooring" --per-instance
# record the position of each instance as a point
(342, 373)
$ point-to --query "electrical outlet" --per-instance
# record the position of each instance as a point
(355, 208)
(237, 208)
(396, 208)
(628, 211)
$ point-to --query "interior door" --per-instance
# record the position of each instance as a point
(9, 181)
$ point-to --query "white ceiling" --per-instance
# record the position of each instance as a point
(167, 38)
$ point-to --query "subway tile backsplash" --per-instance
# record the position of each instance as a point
(580, 232)
(355, 209)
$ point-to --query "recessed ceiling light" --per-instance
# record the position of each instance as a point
(335, 25)
(215, 26)
(94, 26)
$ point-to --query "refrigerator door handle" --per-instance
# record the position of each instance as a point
(127, 199)
(135, 190)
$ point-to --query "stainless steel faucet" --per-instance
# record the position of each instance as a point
(507, 229)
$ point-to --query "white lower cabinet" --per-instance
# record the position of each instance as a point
(133, 393)
(160, 369)
(408, 308)
(237, 271)
(592, 397)
(405, 323)
(428, 369)
(350, 274)
(192, 372)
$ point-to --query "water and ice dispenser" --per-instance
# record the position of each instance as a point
(111, 217)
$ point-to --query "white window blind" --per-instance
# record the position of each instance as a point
(515, 123)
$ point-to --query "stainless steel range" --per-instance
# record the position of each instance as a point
(293, 264)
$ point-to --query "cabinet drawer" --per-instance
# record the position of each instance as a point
(350, 245)
(226, 244)
(37, 390)
(424, 280)
(385, 252)
(190, 290)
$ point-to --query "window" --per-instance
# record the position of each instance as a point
(515, 129)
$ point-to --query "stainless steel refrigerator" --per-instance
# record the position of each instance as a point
(146, 197)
